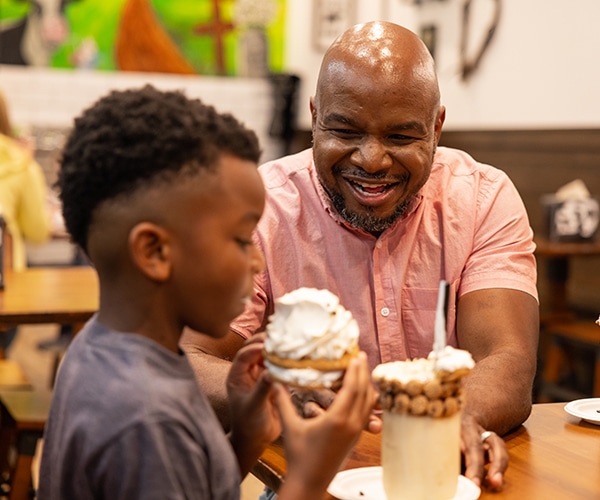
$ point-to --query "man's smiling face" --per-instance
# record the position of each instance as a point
(375, 130)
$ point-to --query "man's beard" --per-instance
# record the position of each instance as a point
(368, 221)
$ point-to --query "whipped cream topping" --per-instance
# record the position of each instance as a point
(310, 323)
(451, 359)
(304, 377)
(424, 370)
(421, 370)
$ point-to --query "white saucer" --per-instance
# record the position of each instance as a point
(587, 409)
(366, 483)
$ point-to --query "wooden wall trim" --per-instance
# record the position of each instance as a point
(526, 140)
(538, 161)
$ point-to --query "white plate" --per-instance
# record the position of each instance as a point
(587, 409)
(366, 483)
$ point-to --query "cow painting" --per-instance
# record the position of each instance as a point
(30, 41)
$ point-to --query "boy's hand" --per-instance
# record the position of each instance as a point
(316, 447)
(254, 420)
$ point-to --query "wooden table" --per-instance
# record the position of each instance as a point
(552, 455)
(22, 418)
(64, 295)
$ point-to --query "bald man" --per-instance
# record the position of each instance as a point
(378, 214)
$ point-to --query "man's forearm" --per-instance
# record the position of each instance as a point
(500, 328)
(498, 392)
(211, 373)
(211, 361)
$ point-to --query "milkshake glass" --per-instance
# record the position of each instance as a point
(422, 404)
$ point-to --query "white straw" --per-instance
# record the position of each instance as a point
(439, 341)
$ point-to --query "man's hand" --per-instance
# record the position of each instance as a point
(311, 403)
(500, 328)
(486, 459)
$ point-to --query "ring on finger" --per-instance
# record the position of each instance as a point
(485, 435)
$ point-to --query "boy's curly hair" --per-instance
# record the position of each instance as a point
(135, 137)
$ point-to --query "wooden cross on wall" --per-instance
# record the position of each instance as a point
(217, 28)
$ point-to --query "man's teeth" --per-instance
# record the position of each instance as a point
(372, 188)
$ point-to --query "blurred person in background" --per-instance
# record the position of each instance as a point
(22, 201)
(22, 192)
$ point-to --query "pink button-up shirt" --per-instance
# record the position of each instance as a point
(468, 226)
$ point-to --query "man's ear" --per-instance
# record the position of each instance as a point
(150, 249)
(313, 114)
(439, 123)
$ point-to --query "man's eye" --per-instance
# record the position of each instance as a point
(400, 138)
(344, 132)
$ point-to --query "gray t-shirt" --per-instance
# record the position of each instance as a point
(128, 421)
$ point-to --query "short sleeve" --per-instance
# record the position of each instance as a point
(502, 253)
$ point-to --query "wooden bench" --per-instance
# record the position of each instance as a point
(23, 416)
(561, 337)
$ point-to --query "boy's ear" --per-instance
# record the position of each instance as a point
(149, 245)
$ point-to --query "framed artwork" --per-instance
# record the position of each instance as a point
(198, 37)
(428, 35)
(330, 19)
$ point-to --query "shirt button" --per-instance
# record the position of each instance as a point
(385, 312)
(378, 244)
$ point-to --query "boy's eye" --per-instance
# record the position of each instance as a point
(244, 243)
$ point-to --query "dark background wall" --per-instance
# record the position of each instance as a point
(539, 162)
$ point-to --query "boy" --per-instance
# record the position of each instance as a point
(163, 195)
